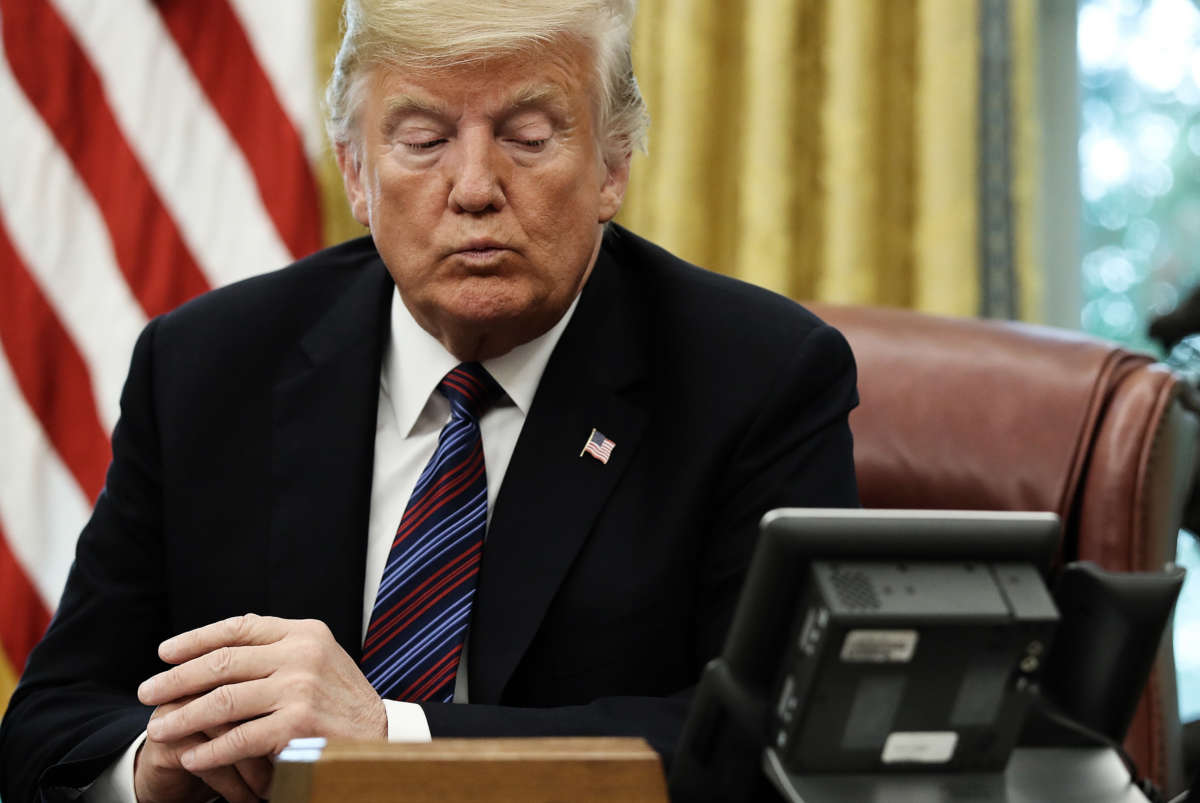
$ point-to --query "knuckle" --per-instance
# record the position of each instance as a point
(309, 686)
(241, 628)
(233, 627)
(220, 659)
(305, 720)
(238, 739)
(224, 700)
(299, 690)
(315, 628)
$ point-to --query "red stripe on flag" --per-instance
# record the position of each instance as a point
(50, 372)
(59, 80)
(23, 616)
(215, 45)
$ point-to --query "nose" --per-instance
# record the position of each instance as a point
(476, 184)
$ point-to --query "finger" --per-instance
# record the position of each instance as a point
(229, 784)
(158, 775)
(256, 772)
(236, 631)
(202, 674)
(254, 739)
(228, 705)
(172, 705)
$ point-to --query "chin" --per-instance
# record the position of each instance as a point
(482, 307)
(484, 299)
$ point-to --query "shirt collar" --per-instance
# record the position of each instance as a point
(416, 362)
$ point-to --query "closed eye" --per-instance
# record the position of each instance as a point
(423, 146)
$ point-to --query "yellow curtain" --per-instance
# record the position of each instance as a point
(338, 225)
(823, 148)
(1027, 146)
(8, 681)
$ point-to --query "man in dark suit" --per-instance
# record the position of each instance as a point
(272, 434)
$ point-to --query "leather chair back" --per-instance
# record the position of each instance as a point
(989, 415)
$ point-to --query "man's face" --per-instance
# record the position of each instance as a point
(485, 192)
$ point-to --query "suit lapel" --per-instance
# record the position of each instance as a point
(551, 495)
(324, 414)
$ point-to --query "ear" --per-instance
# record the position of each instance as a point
(350, 163)
(612, 192)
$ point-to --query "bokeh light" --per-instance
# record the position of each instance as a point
(1139, 154)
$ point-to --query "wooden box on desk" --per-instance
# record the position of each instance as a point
(597, 770)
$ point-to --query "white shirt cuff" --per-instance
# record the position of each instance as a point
(406, 722)
(115, 784)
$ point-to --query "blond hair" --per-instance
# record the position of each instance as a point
(424, 34)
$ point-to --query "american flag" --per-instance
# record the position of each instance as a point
(149, 151)
(598, 447)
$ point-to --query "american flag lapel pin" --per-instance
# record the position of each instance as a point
(598, 446)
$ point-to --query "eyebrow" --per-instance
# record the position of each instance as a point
(404, 105)
(546, 96)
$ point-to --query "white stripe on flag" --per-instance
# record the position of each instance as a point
(43, 507)
(180, 140)
(57, 230)
(281, 34)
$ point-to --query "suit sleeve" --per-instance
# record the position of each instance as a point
(75, 709)
(795, 451)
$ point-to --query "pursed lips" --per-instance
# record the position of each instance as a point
(481, 251)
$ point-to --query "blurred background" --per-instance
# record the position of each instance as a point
(1025, 159)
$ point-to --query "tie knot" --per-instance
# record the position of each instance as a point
(470, 389)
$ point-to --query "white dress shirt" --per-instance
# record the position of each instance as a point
(410, 417)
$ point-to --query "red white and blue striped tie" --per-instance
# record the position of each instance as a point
(420, 617)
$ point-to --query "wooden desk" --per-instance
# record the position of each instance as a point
(452, 770)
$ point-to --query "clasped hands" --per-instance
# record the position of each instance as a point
(240, 690)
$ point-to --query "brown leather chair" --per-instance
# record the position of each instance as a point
(988, 415)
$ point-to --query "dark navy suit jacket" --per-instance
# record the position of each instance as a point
(241, 481)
